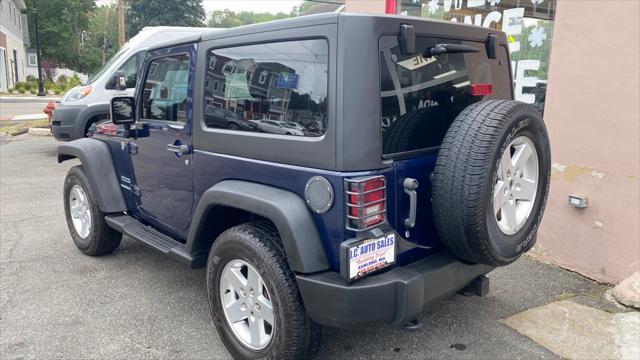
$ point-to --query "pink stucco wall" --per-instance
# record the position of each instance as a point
(593, 117)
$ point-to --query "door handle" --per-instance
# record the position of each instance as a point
(410, 186)
(178, 149)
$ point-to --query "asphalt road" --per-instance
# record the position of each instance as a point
(10, 108)
(56, 302)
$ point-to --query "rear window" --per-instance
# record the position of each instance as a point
(421, 97)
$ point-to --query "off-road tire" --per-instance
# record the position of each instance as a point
(102, 239)
(295, 335)
(465, 175)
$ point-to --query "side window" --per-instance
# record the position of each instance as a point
(130, 69)
(165, 89)
(278, 88)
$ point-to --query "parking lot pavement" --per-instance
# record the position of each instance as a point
(9, 108)
(135, 303)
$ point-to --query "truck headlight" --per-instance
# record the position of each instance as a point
(78, 93)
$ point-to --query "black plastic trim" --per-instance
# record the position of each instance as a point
(98, 164)
(396, 296)
(288, 212)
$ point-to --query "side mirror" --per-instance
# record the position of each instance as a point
(123, 110)
(117, 82)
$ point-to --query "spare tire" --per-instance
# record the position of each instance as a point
(491, 181)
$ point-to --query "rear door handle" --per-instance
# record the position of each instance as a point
(178, 149)
(410, 186)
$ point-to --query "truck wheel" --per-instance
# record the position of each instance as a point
(254, 299)
(86, 223)
(491, 181)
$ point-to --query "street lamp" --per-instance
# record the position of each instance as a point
(35, 25)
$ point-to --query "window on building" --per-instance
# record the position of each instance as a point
(228, 67)
(32, 60)
(212, 63)
(527, 23)
(165, 90)
(263, 77)
(296, 93)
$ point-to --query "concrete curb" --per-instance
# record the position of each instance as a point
(40, 132)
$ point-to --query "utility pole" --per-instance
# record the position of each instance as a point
(104, 36)
(35, 25)
(121, 23)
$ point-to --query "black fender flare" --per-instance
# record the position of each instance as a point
(287, 211)
(98, 164)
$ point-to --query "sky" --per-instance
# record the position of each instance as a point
(272, 6)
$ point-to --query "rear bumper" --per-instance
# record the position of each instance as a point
(396, 296)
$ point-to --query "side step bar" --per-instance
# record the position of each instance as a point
(133, 228)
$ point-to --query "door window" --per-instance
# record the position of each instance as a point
(165, 89)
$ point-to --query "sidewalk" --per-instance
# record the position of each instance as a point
(27, 117)
(20, 98)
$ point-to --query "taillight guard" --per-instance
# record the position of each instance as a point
(366, 202)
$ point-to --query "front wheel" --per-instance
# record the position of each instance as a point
(254, 299)
(86, 223)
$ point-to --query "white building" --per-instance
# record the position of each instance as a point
(14, 38)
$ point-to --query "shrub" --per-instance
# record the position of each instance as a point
(31, 78)
(21, 90)
(62, 79)
(49, 85)
(74, 81)
(21, 85)
(33, 91)
(57, 91)
(11, 90)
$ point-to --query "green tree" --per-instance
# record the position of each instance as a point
(141, 13)
(63, 27)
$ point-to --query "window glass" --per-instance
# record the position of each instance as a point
(527, 23)
(420, 96)
(130, 71)
(277, 88)
(165, 89)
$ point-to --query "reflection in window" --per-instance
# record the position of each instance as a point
(287, 95)
(420, 96)
(165, 89)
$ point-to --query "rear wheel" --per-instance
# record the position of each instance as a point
(254, 299)
(491, 181)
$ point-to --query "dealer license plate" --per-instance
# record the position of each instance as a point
(370, 255)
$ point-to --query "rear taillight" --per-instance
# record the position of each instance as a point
(366, 202)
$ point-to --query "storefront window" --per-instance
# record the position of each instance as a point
(527, 23)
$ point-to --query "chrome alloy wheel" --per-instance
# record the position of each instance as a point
(80, 211)
(247, 304)
(515, 191)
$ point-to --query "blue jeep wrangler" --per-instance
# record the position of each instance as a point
(336, 169)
